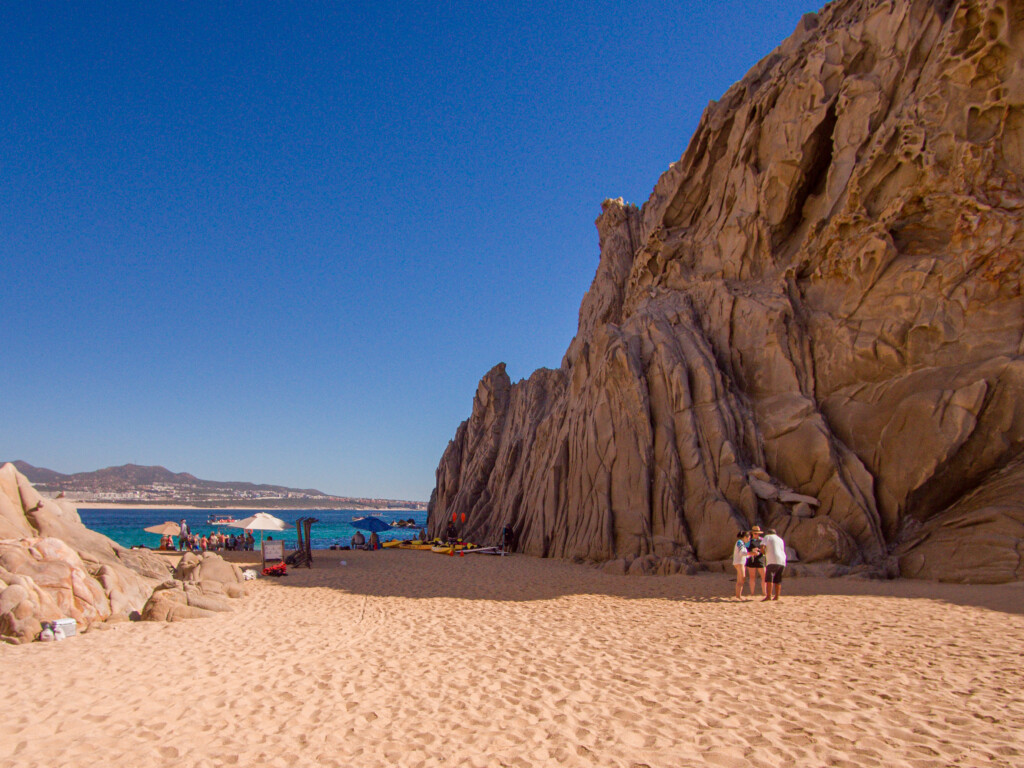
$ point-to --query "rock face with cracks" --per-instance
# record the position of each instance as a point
(52, 567)
(815, 323)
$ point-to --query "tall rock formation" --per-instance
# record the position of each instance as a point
(815, 322)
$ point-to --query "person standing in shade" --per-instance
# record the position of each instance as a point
(775, 556)
(756, 561)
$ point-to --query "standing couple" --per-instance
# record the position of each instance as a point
(756, 557)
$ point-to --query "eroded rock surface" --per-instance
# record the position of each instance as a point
(814, 323)
(52, 566)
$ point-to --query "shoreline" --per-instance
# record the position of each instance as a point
(122, 506)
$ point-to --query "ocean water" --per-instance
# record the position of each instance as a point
(125, 526)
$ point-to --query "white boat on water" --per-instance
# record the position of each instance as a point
(220, 520)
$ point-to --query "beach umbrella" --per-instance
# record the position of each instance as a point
(165, 529)
(370, 524)
(261, 521)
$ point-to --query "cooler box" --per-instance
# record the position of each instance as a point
(70, 626)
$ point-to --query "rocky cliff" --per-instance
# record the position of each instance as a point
(814, 323)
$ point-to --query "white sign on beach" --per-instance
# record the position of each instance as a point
(273, 550)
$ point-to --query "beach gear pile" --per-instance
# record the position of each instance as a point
(441, 547)
(278, 569)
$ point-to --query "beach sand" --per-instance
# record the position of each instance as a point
(418, 659)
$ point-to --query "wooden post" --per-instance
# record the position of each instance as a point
(299, 548)
(308, 523)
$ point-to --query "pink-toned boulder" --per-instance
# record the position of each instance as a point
(207, 567)
(52, 566)
(56, 571)
(202, 586)
(170, 603)
(60, 568)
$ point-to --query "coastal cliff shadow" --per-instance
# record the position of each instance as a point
(519, 578)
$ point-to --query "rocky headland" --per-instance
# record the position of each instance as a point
(53, 567)
(815, 323)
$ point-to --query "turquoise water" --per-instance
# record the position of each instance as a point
(125, 525)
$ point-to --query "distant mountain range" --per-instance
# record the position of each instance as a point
(131, 483)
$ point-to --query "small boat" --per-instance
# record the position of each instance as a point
(220, 520)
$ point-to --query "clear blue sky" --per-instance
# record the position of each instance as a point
(282, 242)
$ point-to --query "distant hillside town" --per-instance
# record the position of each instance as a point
(134, 484)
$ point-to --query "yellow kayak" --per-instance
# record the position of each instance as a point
(445, 549)
(409, 544)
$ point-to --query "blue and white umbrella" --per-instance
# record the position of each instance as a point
(372, 524)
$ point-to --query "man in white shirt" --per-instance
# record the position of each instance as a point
(775, 557)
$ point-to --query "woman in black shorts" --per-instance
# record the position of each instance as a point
(756, 561)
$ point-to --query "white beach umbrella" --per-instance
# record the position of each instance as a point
(261, 521)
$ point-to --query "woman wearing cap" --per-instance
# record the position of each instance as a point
(756, 561)
(739, 561)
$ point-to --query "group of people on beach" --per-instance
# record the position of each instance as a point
(214, 542)
(759, 557)
(217, 542)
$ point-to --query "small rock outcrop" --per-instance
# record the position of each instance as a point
(202, 585)
(815, 323)
(52, 566)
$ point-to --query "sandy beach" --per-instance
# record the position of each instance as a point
(417, 659)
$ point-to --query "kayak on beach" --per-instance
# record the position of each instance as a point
(447, 549)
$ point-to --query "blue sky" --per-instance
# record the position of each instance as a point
(282, 242)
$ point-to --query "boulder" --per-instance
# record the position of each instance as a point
(802, 509)
(762, 489)
(197, 597)
(169, 602)
(207, 567)
(615, 567)
(203, 585)
(791, 497)
(643, 566)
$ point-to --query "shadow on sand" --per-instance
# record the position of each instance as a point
(518, 578)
